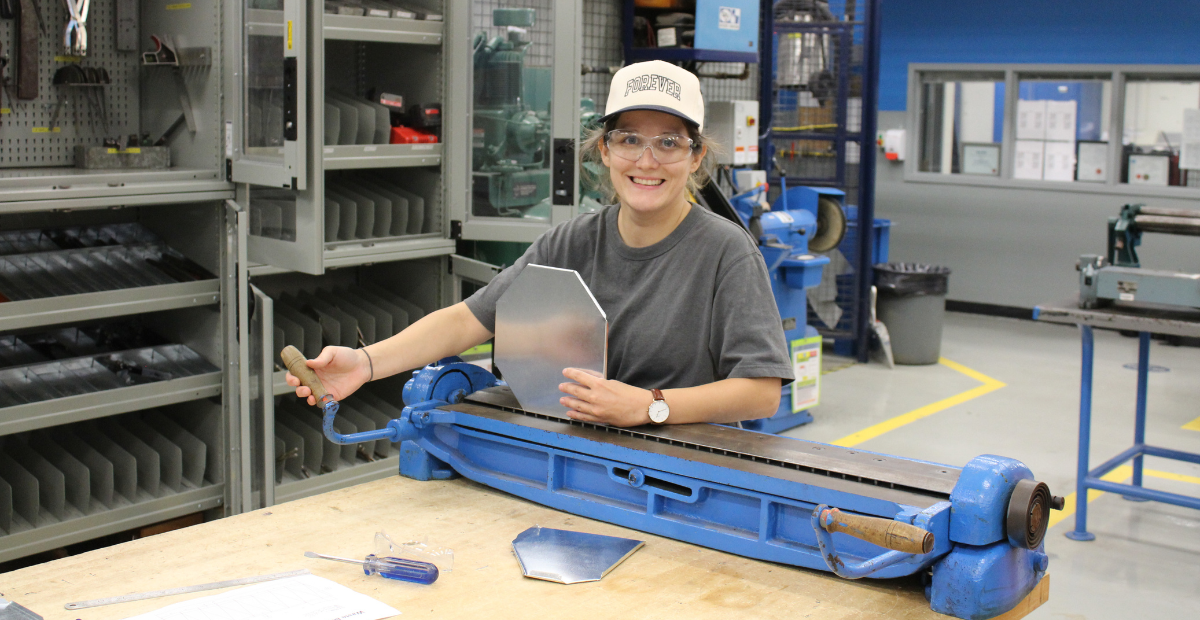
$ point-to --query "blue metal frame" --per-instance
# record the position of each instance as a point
(748, 510)
(861, 262)
(1086, 479)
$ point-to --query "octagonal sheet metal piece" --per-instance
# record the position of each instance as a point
(570, 557)
(547, 321)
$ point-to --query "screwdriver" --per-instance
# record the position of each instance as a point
(391, 568)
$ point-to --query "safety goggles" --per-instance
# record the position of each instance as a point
(630, 145)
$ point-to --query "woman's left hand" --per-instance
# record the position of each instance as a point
(604, 401)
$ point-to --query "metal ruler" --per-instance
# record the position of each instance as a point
(125, 598)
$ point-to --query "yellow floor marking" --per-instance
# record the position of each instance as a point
(871, 432)
(1166, 475)
(1194, 425)
(1122, 475)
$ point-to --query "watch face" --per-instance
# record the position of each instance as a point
(659, 411)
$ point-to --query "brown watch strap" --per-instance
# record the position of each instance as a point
(658, 395)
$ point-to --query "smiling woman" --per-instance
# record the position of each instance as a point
(694, 333)
(634, 136)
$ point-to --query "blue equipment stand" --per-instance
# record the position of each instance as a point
(784, 233)
(1129, 317)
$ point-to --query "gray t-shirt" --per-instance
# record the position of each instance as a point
(691, 309)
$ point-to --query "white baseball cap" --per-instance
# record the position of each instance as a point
(656, 85)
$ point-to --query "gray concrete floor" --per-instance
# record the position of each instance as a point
(1145, 561)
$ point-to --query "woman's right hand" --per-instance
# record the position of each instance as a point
(342, 370)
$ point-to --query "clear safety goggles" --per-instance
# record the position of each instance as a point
(630, 145)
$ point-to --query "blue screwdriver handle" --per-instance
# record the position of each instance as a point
(400, 569)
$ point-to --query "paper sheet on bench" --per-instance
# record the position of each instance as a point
(306, 597)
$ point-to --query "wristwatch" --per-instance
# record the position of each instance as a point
(658, 409)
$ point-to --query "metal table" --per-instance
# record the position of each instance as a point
(1145, 319)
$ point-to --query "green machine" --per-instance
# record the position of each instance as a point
(1119, 276)
(511, 145)
(591, 198)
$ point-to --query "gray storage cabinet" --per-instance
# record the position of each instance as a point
(350, 238)
(118, 320)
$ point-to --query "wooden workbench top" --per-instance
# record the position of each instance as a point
(665, 579)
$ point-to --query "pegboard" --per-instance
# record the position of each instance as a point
(26, 137)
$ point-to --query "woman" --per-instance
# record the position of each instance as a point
(694, 334)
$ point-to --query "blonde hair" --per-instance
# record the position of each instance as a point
(599, 174)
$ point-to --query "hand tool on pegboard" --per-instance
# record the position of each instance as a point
(28, 19)
(75, 38)
(5, 86)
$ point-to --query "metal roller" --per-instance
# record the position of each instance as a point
(1193, 213)
(1170, 224)
(1029, 513)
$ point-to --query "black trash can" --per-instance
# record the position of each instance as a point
(912, 304)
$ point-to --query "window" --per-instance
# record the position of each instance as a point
(1153, 132)
(962, 121)
(1054, 117)
(1057, 126)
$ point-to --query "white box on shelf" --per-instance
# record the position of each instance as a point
(1060, 120)
(1059, 158)
(1031, 120)
(1027, 163)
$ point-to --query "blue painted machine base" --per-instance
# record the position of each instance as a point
(759, 505)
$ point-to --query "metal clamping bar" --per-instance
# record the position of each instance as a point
(904, 541)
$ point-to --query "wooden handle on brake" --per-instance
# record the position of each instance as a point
(886, 533)
(294, 360)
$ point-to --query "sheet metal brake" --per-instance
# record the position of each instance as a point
(739, 491)
(977, 529)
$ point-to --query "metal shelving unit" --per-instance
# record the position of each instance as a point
(38, 135)
(673, 54)
(287, 264)
(65, 410)
(99, 437)
(382, 30)
(819, 100)
(124, 518)
(112, 387)
(358, 157)
(105, 304)
(386, 249)
(258, 139)
(303, 310)
(24, 190)
(292, 489)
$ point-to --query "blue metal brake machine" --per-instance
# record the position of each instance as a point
(975, 531)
